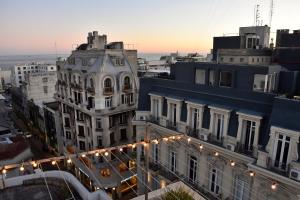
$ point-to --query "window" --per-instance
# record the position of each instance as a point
(192, 168)
(155, 108)
(123, 118)
(68, 135)
(231, 59)
(219, 126)
(19, 68)
(107, 83)
(108, 102)
(82, 145)
(249, 132)
(195, 119)
(98, 123)
(123, 134)
(225, 79)
(67, 122)
(173, 115)
(155, 152)
(126, 82)
(51, 68)
(222, 59)
(111, 122)
(81, 131)
(241, 59)
(259, 82)
(282, 146)
(84, 62)
(173, 161)
(215, 180)
(91, 83)
(241, 190)
(211, 80)
(200, 76)
(99, 141)
(112, 138)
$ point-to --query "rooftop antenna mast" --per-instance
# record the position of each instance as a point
(256, 15)
(271, 11)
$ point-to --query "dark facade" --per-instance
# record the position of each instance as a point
(240, 97)
(230, 42)
(50, 110)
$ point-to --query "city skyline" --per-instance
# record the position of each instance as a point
(36, 27)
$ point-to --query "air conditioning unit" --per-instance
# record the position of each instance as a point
(295, 174)
(203, 137)
(230, 147)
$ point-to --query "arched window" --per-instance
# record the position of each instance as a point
(107, 83)
(127, 81)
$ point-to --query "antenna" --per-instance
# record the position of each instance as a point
(271, 12)
(256, 15)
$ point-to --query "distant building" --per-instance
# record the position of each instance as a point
(253, 37)
(18, 72)
(5, 80)
(97, 92)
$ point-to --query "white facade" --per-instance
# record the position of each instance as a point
(215, 163)
(18, 72)
(97, 89)
(40, 87)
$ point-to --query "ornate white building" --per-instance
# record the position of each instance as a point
(97, 90)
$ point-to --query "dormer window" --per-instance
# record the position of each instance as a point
(200, 76)
(259, 82)
(248, 132)
(84, 62)
(279, 147)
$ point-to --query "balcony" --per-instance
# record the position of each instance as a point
(193, 132)
(91, 90)
(278, 167)
(213, 139)
(240, 148)
(171, 125)
(108, 91)
(127, 88)
(154, 120)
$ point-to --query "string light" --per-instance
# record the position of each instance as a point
(232, 163)
(97, 154)
(133, 146)
(83, 155)
(251, 173)
(201, 147)
(178, 137)
(189, 139)
(34, 164)
(53, 162)
(121, 149)
(173, 137)
(4, 171)
(216, 153)
(22, 168)
(113, 188)
(156, 141)
(145, 144)
(165, 139)
(106, 153)
(69, 160)
(274, 186)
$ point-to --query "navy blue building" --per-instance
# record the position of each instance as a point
(248, 114)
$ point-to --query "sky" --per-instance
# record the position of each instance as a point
(152, 26)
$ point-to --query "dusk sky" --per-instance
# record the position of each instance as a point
(156, 26)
